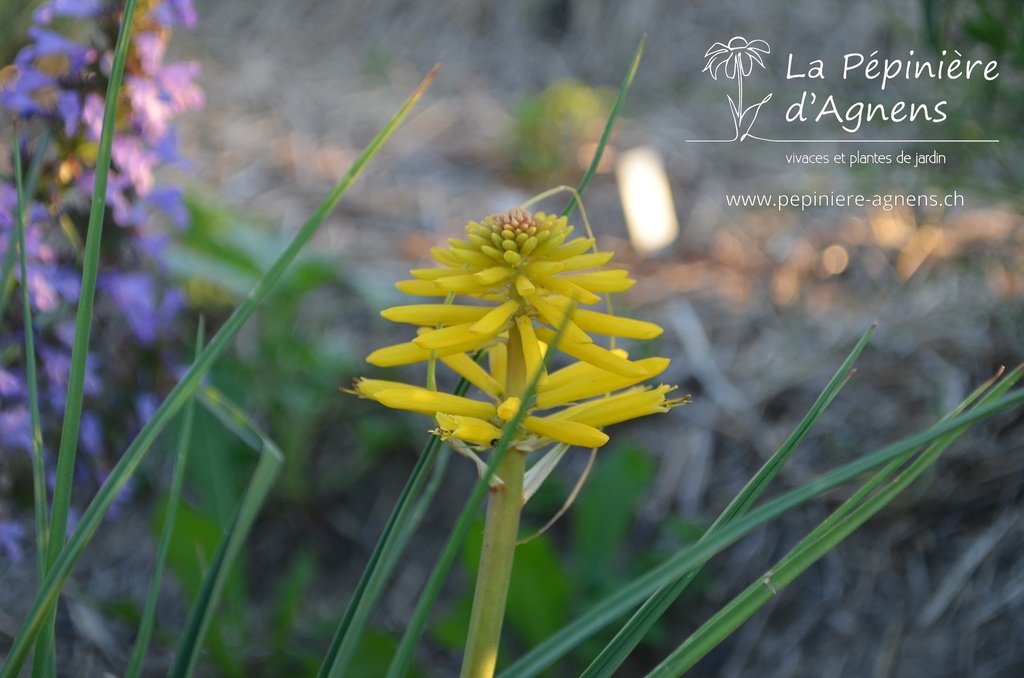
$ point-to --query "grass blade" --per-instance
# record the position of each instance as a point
(630, 635)
(267, 469)
(31, 181)
(401, 524)
(609, 125)
(628, 596)
(848, 517)
(83, 321)
(93, 515)
(40, 504)
(173, 499)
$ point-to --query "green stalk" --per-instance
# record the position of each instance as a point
(501, 531)
(38, 465)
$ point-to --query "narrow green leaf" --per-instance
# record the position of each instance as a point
(83, 322)
(840, 524)
(267, 469)
(609, 125)
(632, 594)
(630, 635)
(38, 466)
(46, 597)
(167, 531)
(31, 181)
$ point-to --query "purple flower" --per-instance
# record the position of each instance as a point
(176, 12)
(79, 9)
(11, 535)
(168, 199)
(10, 385)
(63, 83)
(137, 296)
(16, 429)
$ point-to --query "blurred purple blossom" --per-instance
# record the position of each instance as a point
(11, 536)
(60, 84)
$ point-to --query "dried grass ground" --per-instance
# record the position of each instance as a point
(934, 586)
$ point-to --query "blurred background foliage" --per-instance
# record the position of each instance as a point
(777, 295)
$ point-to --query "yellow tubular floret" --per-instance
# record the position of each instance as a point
(566, 288)
(615, 280)
(603, 323)
(592, 260)
(571, 249)
(493, 275)
(421, 288)
(469, 429)
(596, 382)
(595, 355)
(368, 387)
(508, 409)
(399, 354)
(421, 400)
(496, 319)
(630, 404)
(532, 354)
(569, 432)
(466, 367)
(464, 283)
(456, 338)
(570, 373)
(432, 314)
(555, 317)
(429, 273)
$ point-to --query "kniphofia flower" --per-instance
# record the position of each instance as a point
(525, 280)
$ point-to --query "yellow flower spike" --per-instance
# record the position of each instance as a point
(466, 367)
(399, 354)
(555, 317)
(469, 429)
(509, 408)
(595, 355)
(428, 315)
(496, 320)
(597, 382)
(563, 431)
(533, 355)
(415, 399)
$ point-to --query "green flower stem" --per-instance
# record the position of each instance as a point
(501, 531)
(500, 534)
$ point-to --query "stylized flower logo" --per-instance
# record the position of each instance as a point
(737, 58)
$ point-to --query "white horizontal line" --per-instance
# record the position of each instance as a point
(851, 141)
